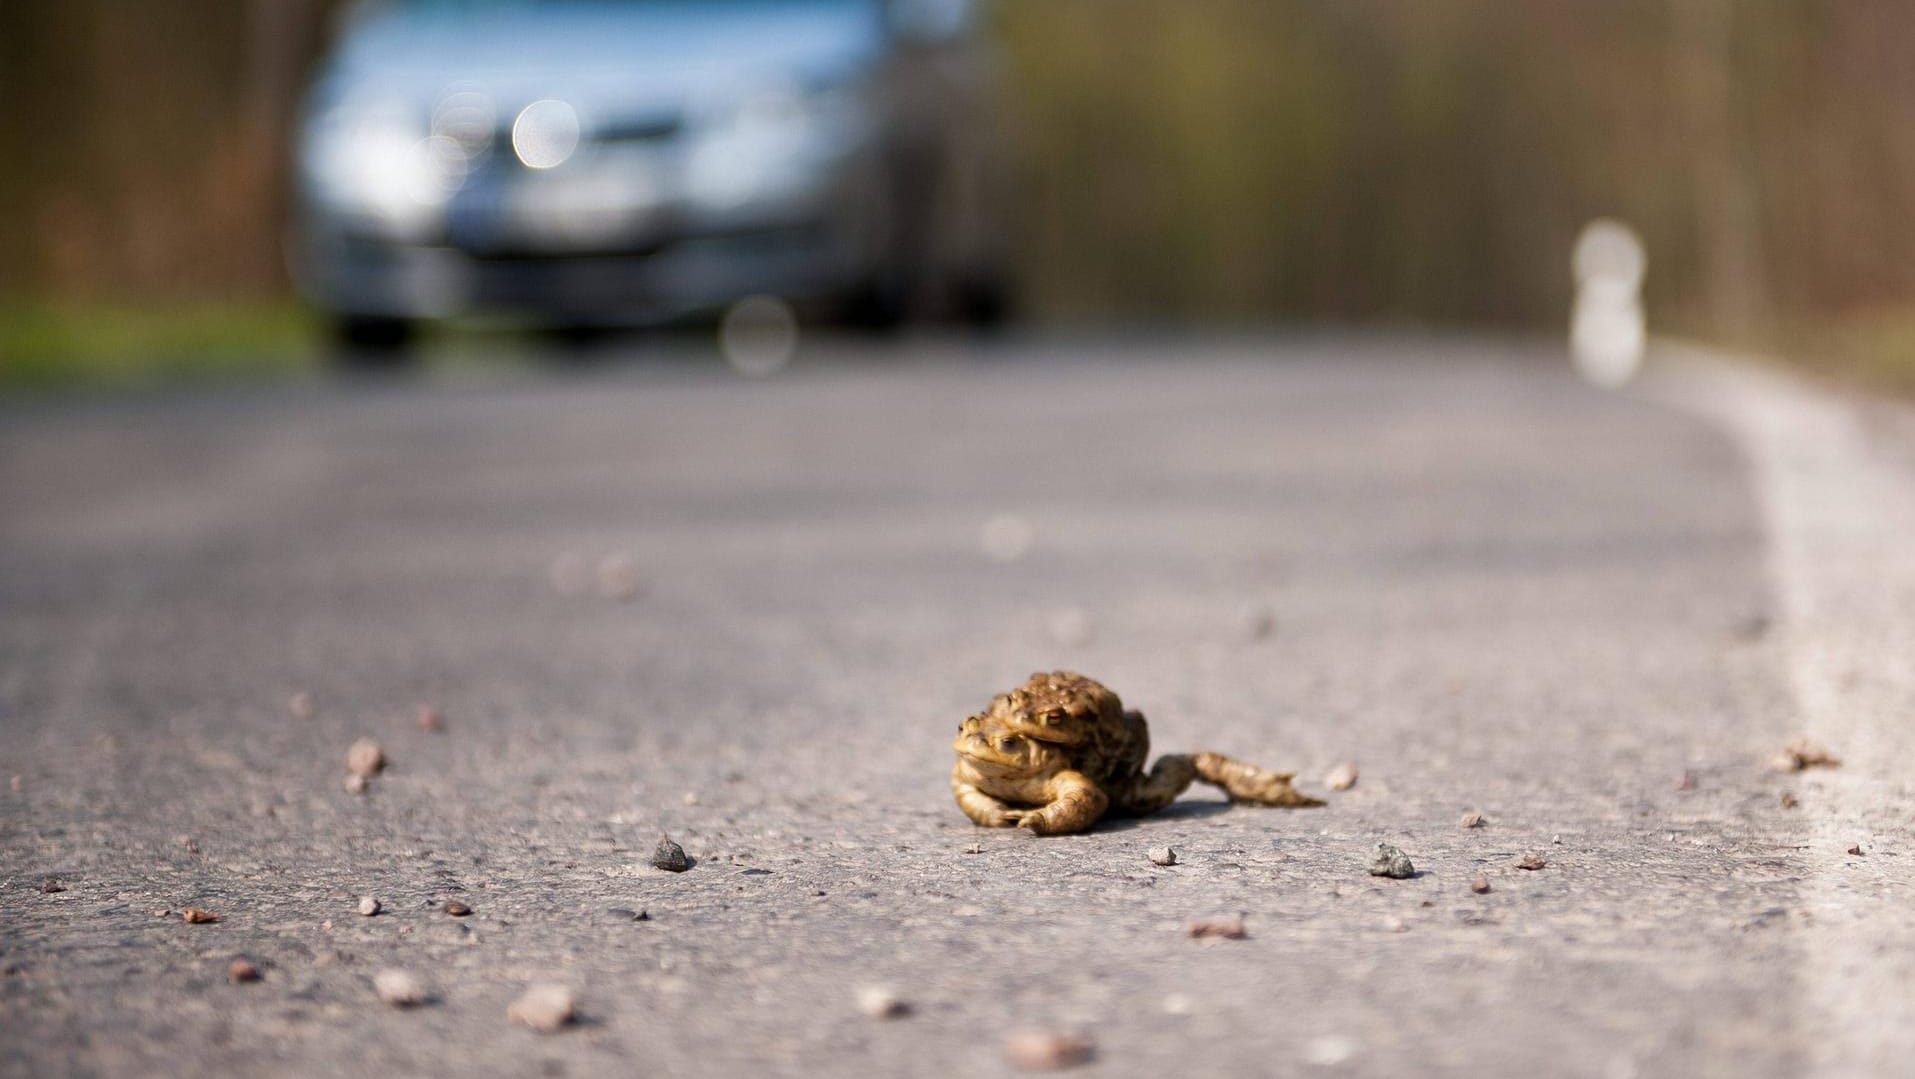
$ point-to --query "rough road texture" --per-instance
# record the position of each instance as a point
(1494, 588)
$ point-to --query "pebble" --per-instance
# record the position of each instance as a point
(1164, 856)
(1789, 800)
(1046, 1050)
(1329, 1050)
(544, 1008)
(1006, 537)
(302, 706)
(355, 783)
(242, 970)
(1686, 781)
(1342, 777)
(1258, 622)
(670, 856)
(1531, 860)
(429, 719)
(1855, 849)
(879, 1002)
(196, 916)
(618, 577)
(1219, 928)
(50, 886)
(627, 914)
(456, 908)
(15, 784)
(368, 906)
(1389, 861)
(1480, 885)
(1801, 754)
(1472, 819)
(399, 988)
(365, 758)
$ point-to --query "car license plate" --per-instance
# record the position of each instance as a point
(476, 219)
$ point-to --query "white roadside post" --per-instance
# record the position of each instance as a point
(1607, 332)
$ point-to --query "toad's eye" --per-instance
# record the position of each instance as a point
(1008, 745)
(1054, 719)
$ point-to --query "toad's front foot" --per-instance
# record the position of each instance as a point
(1075, 805)
(984, 809)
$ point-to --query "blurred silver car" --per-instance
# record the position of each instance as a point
(573, 163)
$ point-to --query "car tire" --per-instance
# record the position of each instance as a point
(879, 305)
(986, 300)
(372, 343)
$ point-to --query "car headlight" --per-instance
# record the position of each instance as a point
(546, 133)
(378, 161)
(773, 141)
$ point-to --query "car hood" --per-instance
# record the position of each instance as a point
(606, 56)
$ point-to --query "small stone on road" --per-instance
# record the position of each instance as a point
(1803, 753)
(618, 578)
(365, 758)
(544, 1008)
(670, 856)
(879, 1002)
(1389, 861)
(399, 988)
(1046, 1050)
(1218, 928)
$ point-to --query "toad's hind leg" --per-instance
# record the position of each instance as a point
(1245, 782)
(1168, 778)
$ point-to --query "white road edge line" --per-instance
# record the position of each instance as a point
(1840, 517)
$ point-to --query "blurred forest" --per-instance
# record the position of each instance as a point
(1186, 160)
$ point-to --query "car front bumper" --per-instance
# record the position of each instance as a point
(363, 277)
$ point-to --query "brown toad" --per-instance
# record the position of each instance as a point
(1059, 752)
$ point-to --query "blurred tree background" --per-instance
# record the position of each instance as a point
(1409, 161)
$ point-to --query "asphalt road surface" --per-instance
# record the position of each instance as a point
(1493, 588)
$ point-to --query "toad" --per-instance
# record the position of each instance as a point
(1060, 752)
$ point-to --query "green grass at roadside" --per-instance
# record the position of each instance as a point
(1875, 349)
(48, 346)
